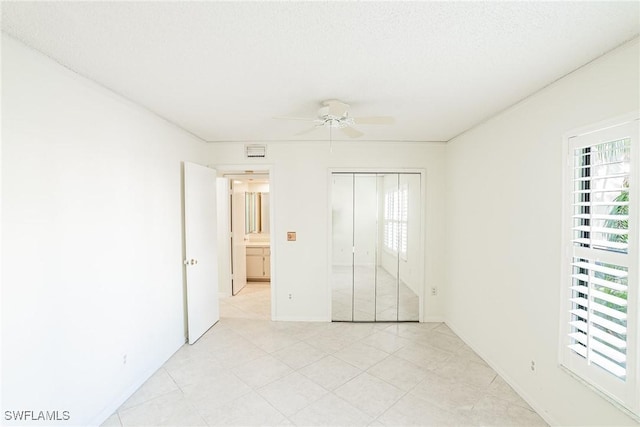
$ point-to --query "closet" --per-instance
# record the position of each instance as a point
(377, 260)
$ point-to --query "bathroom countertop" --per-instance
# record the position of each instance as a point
(258, 244)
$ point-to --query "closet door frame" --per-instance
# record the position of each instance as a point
(421, 240)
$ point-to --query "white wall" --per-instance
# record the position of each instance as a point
(299, 191)
(503, 233)
(91, 238)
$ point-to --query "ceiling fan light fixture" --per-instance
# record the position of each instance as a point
(334, 122)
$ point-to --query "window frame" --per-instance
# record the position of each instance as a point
(624, 393)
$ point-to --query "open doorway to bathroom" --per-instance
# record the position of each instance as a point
(246, 291)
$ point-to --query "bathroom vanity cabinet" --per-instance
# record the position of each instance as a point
(259, 263)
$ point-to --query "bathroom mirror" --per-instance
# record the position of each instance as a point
(256, 212)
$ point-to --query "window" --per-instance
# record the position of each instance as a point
(600, 286)
(396, 213)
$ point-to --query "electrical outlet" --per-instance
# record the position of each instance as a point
(434, 291)
(124, 359)
(533, 366)
(290, 296)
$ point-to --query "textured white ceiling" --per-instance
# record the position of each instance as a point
(222, 70)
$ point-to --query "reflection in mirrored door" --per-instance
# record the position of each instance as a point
(410, 255)
(364, 247)
(387, 265)
(376, 251)
(342, 245)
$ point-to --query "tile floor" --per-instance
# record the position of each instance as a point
(247, 370)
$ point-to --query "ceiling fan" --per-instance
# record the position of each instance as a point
(335, 115)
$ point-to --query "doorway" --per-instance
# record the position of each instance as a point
(376, 272)
(248, 240)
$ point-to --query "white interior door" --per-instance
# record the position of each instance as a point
(238, 242)
(201, 249)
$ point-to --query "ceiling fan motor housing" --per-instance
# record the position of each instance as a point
(323, 112)
(330, 119)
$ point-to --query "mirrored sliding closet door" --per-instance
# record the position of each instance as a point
(376, 253)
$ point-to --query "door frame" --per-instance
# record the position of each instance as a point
(224, 228)
(230, 169)
(423, 228)
(238, 240)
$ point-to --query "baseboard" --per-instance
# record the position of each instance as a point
(432, 319)
(299, 319)
(525, 396)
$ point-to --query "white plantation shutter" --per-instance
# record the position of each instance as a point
(599, 318)
(389, 229)
(396, 215)
(404, 219)
(600, 303)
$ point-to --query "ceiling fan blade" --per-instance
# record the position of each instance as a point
(374, 120)
(336, 108)
(351, 132)
(308, 130)
(305, 119)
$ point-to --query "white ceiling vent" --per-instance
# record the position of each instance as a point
(255, 151)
